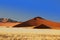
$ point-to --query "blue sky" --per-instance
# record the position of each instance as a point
(23, 10)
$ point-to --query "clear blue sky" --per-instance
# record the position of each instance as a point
(23, 10)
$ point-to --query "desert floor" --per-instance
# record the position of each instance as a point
(29, 34)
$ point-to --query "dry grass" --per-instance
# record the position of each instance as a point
(29, 34)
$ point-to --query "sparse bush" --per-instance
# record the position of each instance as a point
(29, 37)
(26, 34)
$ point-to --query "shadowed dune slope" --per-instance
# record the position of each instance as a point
(38, 21)
(33, 22)
(42, 26)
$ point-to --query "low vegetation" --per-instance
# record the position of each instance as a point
(29, 34)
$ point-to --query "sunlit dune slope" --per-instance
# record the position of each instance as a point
(8, 24)
(37, 21)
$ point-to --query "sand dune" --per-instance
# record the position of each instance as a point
(8, 24)
(37, 21)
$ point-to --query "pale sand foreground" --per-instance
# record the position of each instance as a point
(29, 34)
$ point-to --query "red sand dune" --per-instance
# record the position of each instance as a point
(8, 24)
(38, 21)
(5, 22)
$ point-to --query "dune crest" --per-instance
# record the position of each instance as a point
(38, 21)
